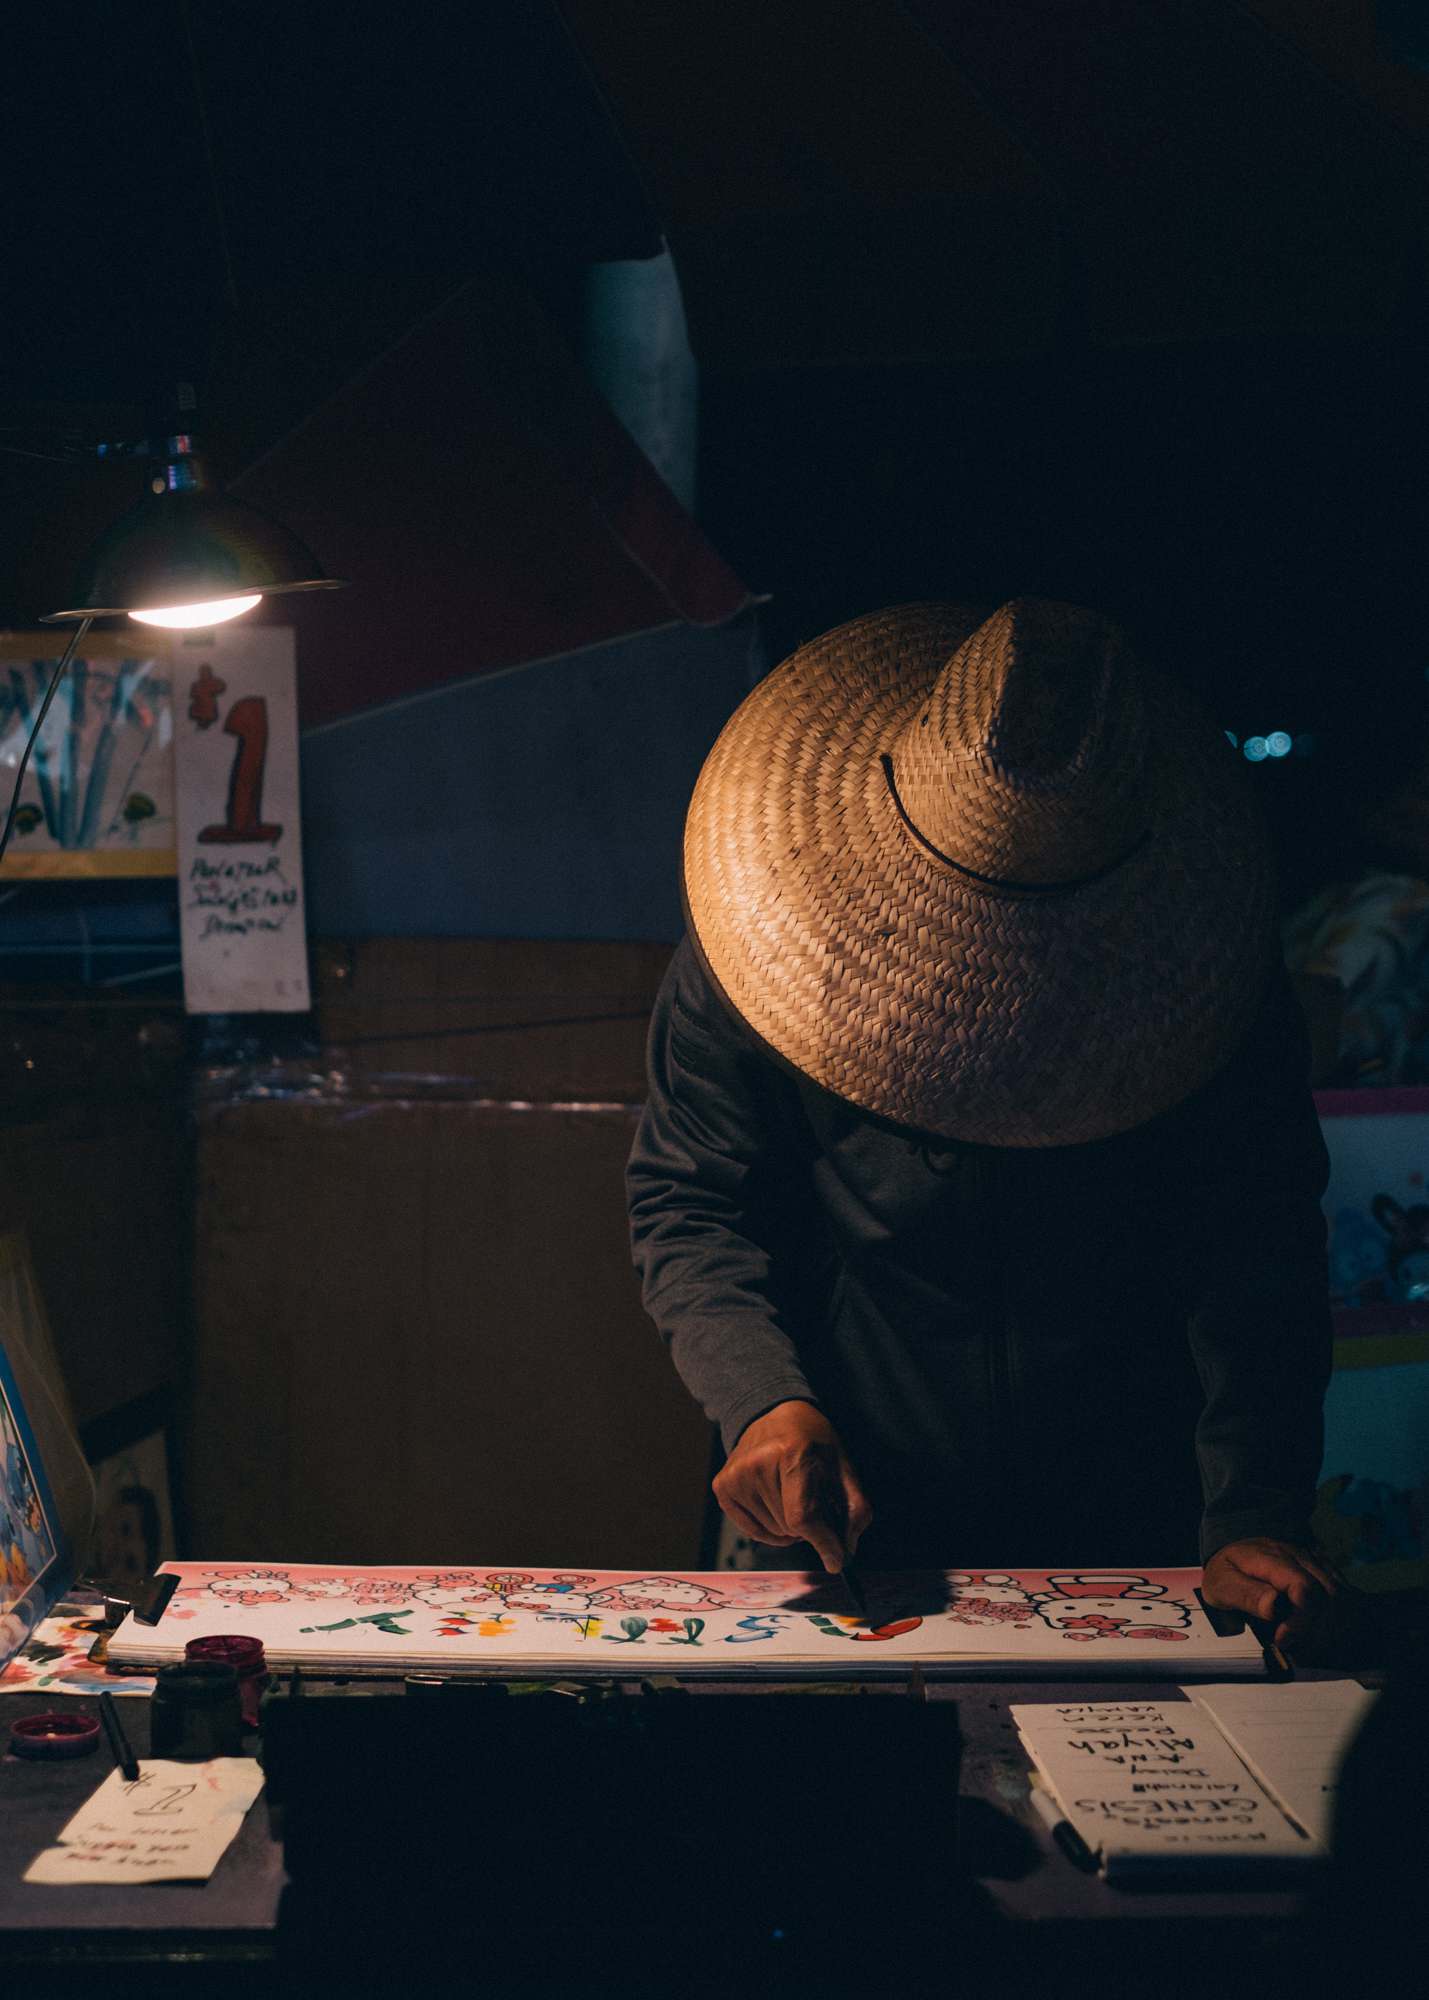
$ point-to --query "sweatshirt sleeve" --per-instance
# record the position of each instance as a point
(1259, 1323)
(709, 1151)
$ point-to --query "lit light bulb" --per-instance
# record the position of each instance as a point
(181, 617)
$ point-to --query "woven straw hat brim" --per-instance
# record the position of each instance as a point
(996, 1016)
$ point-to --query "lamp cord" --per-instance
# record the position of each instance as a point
(55, 678)
(214, 192)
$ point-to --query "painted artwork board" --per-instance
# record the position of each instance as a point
(98, 796)
(64, 1655)
(1373, 1498)
(1377, 1209)
(31, 1539)
(486, 1620)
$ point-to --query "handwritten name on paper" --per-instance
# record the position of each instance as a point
(1141, 1778)
(171, 1824)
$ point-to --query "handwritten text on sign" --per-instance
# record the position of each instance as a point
(241, 905)
(171, 1824)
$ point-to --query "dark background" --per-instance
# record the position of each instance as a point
(1116, 302)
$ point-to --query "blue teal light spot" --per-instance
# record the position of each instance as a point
(1278, 743)
(1256, 749)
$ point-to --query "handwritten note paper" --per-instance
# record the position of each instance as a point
(171, 1825)
(241, 907)
(1153, 1787)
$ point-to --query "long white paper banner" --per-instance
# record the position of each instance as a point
(241, 907)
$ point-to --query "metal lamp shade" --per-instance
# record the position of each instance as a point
(179, 548)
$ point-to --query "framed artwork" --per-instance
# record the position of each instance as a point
(98, 797)
(31, 1540)
(1372, 1515)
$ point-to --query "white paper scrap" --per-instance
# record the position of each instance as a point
(1293, 1735)
(172, 1824)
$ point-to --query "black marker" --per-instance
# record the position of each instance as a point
(118, 1742)
(1062, 1830)
(1277, 1667)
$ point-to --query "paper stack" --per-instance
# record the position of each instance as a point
(1154, 1789)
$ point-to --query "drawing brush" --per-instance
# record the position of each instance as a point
(118, 1742)
(854, 1590)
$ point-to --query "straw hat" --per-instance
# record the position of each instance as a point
(988, 878)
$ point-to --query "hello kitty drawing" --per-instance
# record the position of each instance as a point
(994, 1586)
(988, 1597)
(363, 1590)
(1106, 1606)
(657, 1593)
(455, 1590)
(250, 1586)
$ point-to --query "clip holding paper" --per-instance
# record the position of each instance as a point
(148, 1601)
(1227, 1624)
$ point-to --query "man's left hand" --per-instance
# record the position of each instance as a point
(1286, 1587)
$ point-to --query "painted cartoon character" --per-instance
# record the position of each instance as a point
(1358, 1255)
(1383, 1517)
(23, 1507)
(15, 1572)
(1408, 1251)
(1087, 1608)
(364, 1590)
(504, 1581)
(658, 1593)
(559, 1595)
(458, 1592)
(988, 1597)
(251, 1586)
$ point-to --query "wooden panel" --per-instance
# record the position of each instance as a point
(420, 1340)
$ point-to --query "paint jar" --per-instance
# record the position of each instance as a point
(245, 1656)
(195, 1713)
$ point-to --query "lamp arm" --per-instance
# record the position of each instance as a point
(55, 678)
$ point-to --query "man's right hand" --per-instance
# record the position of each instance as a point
(787, 1480)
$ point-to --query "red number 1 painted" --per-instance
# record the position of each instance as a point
(248, 721)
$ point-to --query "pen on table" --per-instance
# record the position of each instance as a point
(118, 1742)
(1061, 1830)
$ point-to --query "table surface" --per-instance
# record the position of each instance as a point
(1023, 1877)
